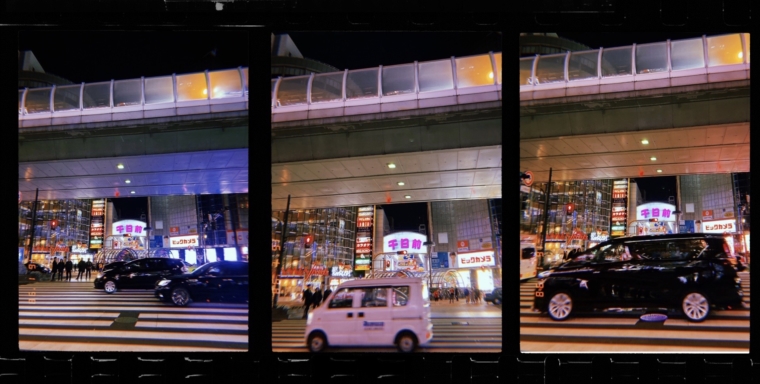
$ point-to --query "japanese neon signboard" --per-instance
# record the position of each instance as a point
(476, 259)
(96, 223)
(659, 211)
(183, 241)
(411, 242)
(129, 227)
(719, 226)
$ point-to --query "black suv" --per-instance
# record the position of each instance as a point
(687, 272)
(31, 267)
(138, 274)
(217, 281)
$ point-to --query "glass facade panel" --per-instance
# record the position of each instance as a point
(361, 83)
(73, 218)
(191, 87)
(20, 100)
(616, 62)
(66, 98)
(38, 100)
(497, 58)
(708, 192)
(159, 90)
(687, 54)
(292, 91)
(583, 65)
(724, 50)
(96, 95)
(474, 71)
(327, 87)
(225, 84)
(398, 79)
(550, 69)
(435, 76)
(526, 66)
(127, 92)
(652, 58)
(274, 82)
(245, 78)
(746, 41)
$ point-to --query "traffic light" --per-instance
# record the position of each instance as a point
(53, 224)
(569, 208)
(307, 240)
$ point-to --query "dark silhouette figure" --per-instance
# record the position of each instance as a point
(307, 295)
(61, 266)
(69, 267)
(80, 266)
(328, 291)
(316, 300)
(54, 269)
(88, 269)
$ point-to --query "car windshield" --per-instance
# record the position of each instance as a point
(204, 270)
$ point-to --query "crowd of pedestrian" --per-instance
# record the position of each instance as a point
(66, 265)
(453, 294)
(313, 299)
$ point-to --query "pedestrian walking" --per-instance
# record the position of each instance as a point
(451, 295)
(69, 267)
(54, 269)
(88, 269)
(316, 299)
(61, 266)
(328, 291)
(306, 300)
(80, 267)
(467, 295)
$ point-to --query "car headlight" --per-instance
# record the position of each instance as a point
(100, 274)
(544, 274)
(164, 282)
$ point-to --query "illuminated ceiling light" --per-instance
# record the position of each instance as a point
(741, 54)
(132, 192)
(645, 141)
(127, 181)
(490, 75)
(205, 91)
(653, 158)
(400, 183)
(407, 197)
(659, 171)
(391, 165)
(120, 166)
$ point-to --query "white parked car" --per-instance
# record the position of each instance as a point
(372, 312)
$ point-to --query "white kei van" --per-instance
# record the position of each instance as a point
(372, 312)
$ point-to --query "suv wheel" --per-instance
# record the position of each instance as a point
(109, 286)
(406, 342)
(560, 306)
(180, 297)
(695, 306)
(317, 342)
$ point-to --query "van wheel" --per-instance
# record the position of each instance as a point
(695, 306)
(560, 306)
(317, 342)
(109, 286)
(406, 342)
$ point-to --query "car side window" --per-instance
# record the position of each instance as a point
(237, 269)
(528, 253)
(400, 296)
(374, 297)
(611, 254)
(343, 298)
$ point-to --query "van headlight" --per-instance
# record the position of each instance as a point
(164, 282)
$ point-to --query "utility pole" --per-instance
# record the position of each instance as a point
(34, 223)
(546, 217)
(278, 269)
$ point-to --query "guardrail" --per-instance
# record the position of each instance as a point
(669, 59)
(385, 84)
(132, 95)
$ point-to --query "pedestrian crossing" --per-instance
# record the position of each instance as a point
(74, 316)
(723, 331)
(455, 334)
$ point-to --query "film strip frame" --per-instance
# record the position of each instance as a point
(261, 364)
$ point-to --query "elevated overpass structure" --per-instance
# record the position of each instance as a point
(169, 135)
(335, 136)
(668, 108)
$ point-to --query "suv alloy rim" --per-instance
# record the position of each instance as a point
(179, 297)
(560, 306)
(110, 286)
(695, 306)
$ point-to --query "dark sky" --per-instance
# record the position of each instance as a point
(617, 39)
(356, 50)
(130, 207)
(658, 188)
(406, 217)
(92, 56)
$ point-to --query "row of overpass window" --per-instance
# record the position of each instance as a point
(413, 78)
(662, 57)
(232, 83)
